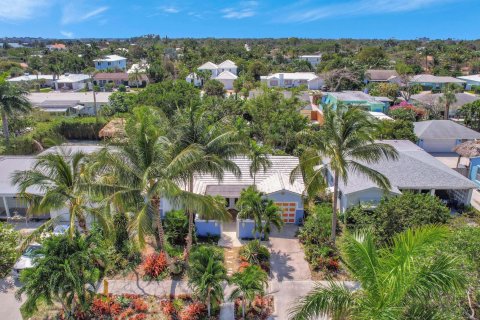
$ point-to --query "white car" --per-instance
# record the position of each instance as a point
(61, 229)
(26, 259)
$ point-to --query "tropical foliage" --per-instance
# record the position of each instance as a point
(8, 248)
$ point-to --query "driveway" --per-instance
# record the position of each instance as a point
(287, 257)
(9, 306)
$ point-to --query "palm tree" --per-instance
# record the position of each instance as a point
(206, 274)
(271, 216)
(137, 76)
(251, 282)
(217, 145)
(13, 99)
(258, 156)
(346, 143)
(394, 281)
(61, 178)
(448, 98)
(91, 72)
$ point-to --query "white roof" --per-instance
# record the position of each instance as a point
(293, 76)
(380, 115)
(208, 66)
(475, 77)
(276, 178)
(31, 77)
(9, 165)
(71, 78)
(226, 75)
(227, 64)
(111, 57)
(306, 56)
(139, 67)
(81, 97)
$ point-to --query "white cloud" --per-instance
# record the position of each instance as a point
(75, 12)
(67, 34)
(21, 9)
(244, 10)
(170, 9)
(360, 8)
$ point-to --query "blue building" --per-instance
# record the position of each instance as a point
(111, 62)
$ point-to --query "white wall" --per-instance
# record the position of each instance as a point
(227, 83)
(438, 145)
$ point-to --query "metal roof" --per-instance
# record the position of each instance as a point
(443, 129)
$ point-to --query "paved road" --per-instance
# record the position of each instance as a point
(9, 306)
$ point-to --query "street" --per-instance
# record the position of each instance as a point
(9, 306)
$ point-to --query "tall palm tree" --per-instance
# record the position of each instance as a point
(13, 99)
(448, 98)
(137, 76)
(61, 179)
(271, 216)
(394, 281)
(217, 145)
(345, 143)
(251, 282)
(206, 275)
(258, 156)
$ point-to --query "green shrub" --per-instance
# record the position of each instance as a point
(8, 245)
(176, 227)
(256, 253)
(316, 228)
(396, 214)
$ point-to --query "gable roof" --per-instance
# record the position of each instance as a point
(226, 75)
(474, 77)
(409, 172)
(115, 76)
(432, 98)
(429, 78)
(227, 64)
(72, 77)
(208, 66)
(443, 129)
(292, 76)
(380, 75)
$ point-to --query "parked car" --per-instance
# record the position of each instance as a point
(61, 229)
(26, 259)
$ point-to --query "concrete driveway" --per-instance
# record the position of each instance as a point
(9, 306)
(287, 257)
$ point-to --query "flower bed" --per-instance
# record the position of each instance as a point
(261, 308)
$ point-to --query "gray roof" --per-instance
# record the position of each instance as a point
(414, 169)
(430, 99)
(276, 178)
(353, 96)
(443, 129)
(380, 75)
(429, 78)
(84, 97)
(9, 165)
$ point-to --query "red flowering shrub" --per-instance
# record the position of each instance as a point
(140, 316)
(243, 266)
(193, 311)
(105, 307)
(139, 305)
(131, 296)
(154, 264)
(332, 264)
(168, 308)
(126, 314)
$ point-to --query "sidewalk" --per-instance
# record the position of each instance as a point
(155, 288)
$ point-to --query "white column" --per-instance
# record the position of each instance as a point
(6, 206)
(432, 192)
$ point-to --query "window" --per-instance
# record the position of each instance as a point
(109, 63)
(273, 83)
(288, 211)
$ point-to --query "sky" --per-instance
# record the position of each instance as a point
(373, 19)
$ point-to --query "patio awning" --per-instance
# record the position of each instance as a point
(468, 149)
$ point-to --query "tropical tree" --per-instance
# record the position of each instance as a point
(271, 216)
(136, 76)
(66, 271)
(346, 141)
(396, 282)
(258, 156)
(217, 145)
(249, 283)
(13, 100)
(61, 178)
(448, 98)
(206, 275)
(8, 248)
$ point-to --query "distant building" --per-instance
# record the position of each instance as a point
(432, 100)
(118, 78)
(357, 98)
(313, 59)
(434, 82)
(225, 72)
(380, 75)
(112, 62)
(293, 79)
(56, 47)
(69, 102)
(73, 82)
(473, 80)
(47, 79)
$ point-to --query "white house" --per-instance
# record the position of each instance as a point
(442, 135)
(313, 59)
(70, 81)
(211, 67)
(227, 78)
(415, 171)
(46, 78)
(227, 65)
(295, 79)
(112, 61)
(65, 102)
(194, 79)
(473, 80)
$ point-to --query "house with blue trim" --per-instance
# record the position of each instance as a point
(111, 62)
(358, 99)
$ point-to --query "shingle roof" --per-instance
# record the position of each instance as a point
(353, 96)
(227, 64)
(443, 129)
(276, 178)
(114, 76)
(474, 77)
(208, 66)
(380, 75)
(428, 78)
(432, 98)
(414, 169)
(84, 97)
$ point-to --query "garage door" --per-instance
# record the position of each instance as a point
(438, 145)
(288, 211)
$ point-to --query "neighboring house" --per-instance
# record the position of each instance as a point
(380, 75)
(118, 78)
(210, 67)
(357, 98)
(432, 101)
(140, 67)
(275, 183)
(415, 171)
(46, 78)
(194, 79)
(226, 78)
(473, 80)
(313, 59)
(229, 66)
(73, 82)
(69, 102)
(112, 62)
(380, 115)
(442, 135)
(295, 79)
(434, 82)
(312, 113)
(56, 47)
(302, 96)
